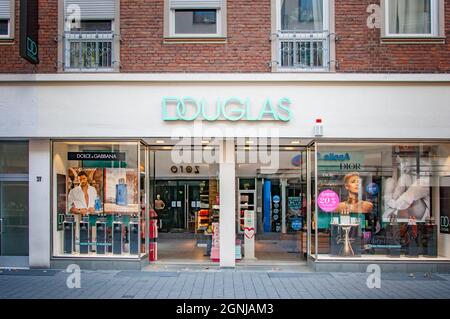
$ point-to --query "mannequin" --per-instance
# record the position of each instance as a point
(159, 203)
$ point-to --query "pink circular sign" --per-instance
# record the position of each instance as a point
(328, 200)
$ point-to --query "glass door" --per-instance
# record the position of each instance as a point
(13, 220)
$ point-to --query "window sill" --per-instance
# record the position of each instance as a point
(413, 40)
(7, 41)
(183, 40)
(89, 71)
(301, 70)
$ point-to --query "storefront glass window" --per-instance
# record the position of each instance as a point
(99, 199)
(380, 199)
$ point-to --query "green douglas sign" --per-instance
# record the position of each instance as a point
(229, 109)
(29, 28)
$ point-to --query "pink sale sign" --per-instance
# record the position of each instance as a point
(328, 200)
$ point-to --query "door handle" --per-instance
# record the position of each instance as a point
(1, 225)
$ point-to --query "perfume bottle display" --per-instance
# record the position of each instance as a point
(121, 193)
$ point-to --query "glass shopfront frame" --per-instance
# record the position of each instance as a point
(418, 169)
(115, 223)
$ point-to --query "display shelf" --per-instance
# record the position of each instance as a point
(202, 220)
(246, 202)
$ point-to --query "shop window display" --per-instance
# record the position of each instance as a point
(100, 210)
(377, 199)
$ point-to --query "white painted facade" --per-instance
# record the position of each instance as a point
(353, 107)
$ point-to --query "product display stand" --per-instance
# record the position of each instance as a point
(153, 235)
(69, 234)
(84, 235)
(215, 245)
(101, 243)
(133, 233)
(246, 203)
(117, 240)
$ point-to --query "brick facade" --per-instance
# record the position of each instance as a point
(247, 49)
(360, 50)
(11, 62)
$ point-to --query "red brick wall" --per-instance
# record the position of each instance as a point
(248, 48)
(11, 62)
(359, 48)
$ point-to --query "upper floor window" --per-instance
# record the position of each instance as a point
(5, 18)
(303, 42)
(194, 18)
(4, 28)
(302, 15)
(412, 17)
(89, 38)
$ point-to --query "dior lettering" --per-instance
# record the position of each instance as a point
(231, 109)
(350, 166)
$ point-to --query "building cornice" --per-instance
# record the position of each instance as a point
(226, 77)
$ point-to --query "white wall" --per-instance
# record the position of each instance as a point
(133, 109)
(39, 203)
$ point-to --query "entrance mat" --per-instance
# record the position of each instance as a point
(298, 275)
(143, 274)
(28, 272)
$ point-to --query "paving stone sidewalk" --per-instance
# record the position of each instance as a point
(219, 284)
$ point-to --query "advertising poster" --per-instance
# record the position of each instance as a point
(408, 196)
(121, 191)
(84, 178)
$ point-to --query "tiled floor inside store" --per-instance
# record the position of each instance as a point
(176, 249)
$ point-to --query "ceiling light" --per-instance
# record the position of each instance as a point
(160, 142)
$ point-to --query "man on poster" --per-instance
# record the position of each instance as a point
(81, 199)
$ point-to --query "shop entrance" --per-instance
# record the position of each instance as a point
(181, 204)
(276, 200)
(184, 217)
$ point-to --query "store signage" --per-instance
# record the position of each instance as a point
(185, 169)
(96, 156)
(348, 161)
(372, 189)
(328, 200)
(296, 160)
(444, 209)
(29, 28)
(333, 157)
(229, 109)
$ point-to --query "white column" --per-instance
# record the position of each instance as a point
(283, 205)
(39, 203)
(227, 203)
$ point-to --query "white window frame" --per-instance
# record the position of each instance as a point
(318, 36)
(8, 35)
(11, 22)
(196, 35)
(435, 24)
(67, 56)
